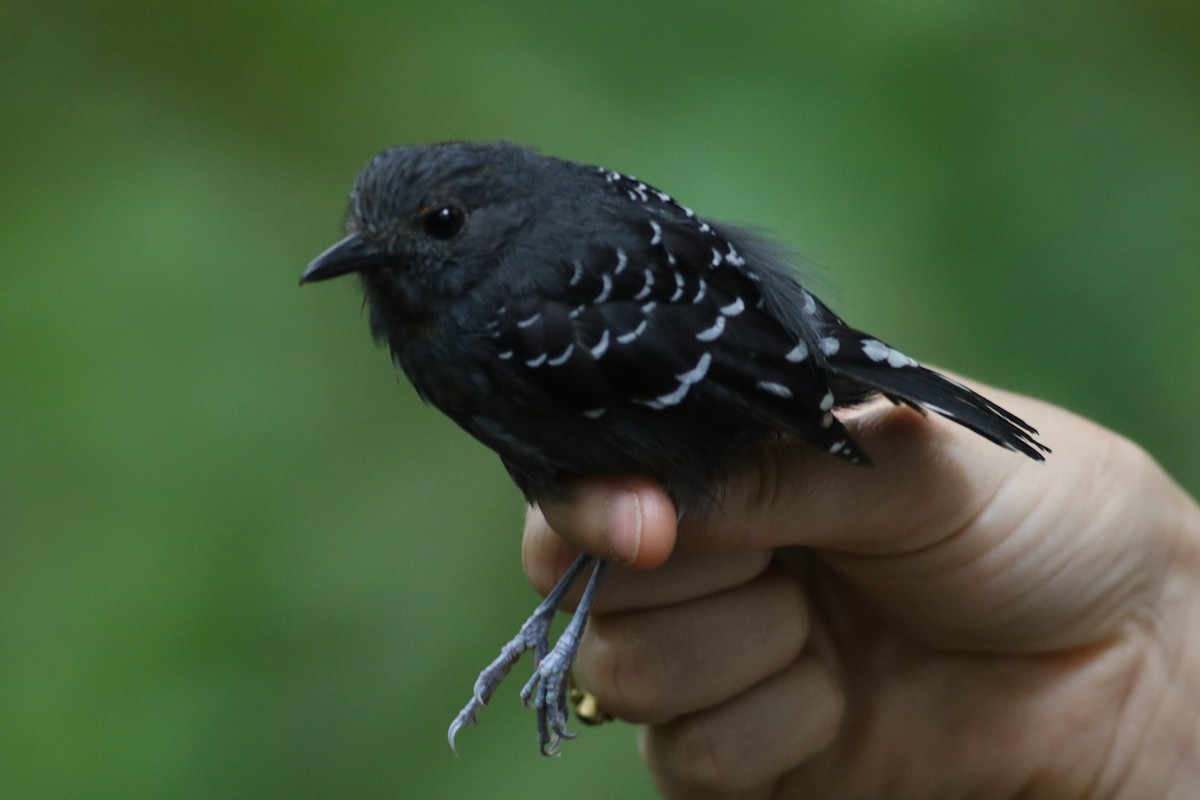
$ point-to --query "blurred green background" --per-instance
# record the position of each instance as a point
(239, 559)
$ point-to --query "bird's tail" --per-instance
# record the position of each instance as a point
(871, 363)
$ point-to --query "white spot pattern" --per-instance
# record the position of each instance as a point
(594, 413)
(537, 362)
(558, 361)
(626, 338)
(734, 308)
(829, 345)
(878, 351)
(810, 305)
(622, 262)
(777, 389)
(657, 233)
(678, 287)
(601, 346)
(709, 334)
(827, 401)
(671, 399)
(649, 285)
(697, 373)
(797, 353)
(525, 323)
(606, 291)
(686, 381)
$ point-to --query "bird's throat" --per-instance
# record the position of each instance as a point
(397, 315)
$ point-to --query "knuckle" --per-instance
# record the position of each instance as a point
(705, 759)
(628, 669)
(767, 477)
(762, 477)
(786, 629)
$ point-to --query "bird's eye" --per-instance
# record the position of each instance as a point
(444, 222)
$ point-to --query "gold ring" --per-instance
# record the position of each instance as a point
(587, 708)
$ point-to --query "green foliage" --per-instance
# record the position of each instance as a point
(239, 559)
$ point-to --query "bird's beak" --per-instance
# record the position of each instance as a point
(351, 254)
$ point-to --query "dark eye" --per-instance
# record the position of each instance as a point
(444, 222)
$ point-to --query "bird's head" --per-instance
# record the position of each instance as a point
(425, 223)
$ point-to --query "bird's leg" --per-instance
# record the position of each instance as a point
(535, 633)
(548, 689)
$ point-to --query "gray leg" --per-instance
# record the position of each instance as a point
(533, 634)
(548, 690)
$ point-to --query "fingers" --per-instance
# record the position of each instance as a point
(741, 747)
(931, 477)
(654, 665)
(943, 514)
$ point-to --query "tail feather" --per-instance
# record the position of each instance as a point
(875, 365)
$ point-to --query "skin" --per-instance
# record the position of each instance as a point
(955, 622)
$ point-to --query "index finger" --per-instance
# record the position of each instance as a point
(930, 477)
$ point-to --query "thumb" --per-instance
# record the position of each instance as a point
(627, 520)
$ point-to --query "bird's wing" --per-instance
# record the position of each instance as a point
(669, 319)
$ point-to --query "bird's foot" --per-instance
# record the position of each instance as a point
(548, 689)
(534, 635)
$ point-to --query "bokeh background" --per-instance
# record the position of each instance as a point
(239, 559)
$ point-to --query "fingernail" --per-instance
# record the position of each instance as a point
(625, 526)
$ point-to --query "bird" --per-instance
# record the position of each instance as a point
(578, 321)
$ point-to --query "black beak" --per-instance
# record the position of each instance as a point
(351, 254)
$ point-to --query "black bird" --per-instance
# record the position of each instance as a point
(579, 321)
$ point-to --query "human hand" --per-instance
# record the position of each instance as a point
(960, 622)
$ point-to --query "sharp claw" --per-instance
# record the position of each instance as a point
(564, 693)
(548, 688)
(465, 717)
(547, 691)
(545, 740)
